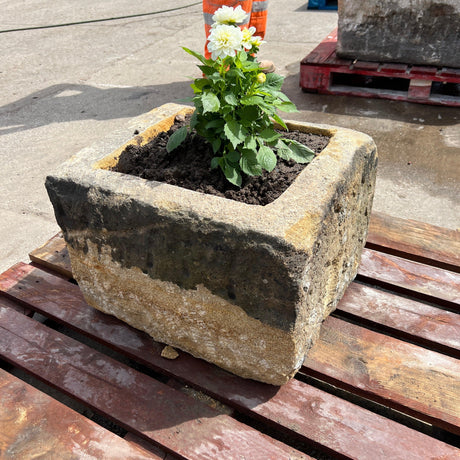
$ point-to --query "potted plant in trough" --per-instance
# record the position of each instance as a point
(243, 286)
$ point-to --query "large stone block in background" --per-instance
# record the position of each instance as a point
(243, 286)
(422, 32)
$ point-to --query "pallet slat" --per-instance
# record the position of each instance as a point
(432, 327)
(133, 400)
(413, 240)
(34, 425)
(4, 302)
(53, 255)
(415, 381)
(307, 413)
(436, 285)
(145, 445)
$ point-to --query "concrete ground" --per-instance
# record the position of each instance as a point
(62, 88)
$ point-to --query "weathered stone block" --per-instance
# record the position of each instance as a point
(422, 32)
(245, 287)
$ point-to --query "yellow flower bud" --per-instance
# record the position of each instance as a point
(261, 77)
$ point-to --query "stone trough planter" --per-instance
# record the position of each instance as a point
(245, 287)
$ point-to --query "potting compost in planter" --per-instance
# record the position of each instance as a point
(243, 286)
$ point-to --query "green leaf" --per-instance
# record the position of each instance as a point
(242, 56)
(249, 164)
(288, 107)
(207, 70)
(176, 139)
(234, 73)
(235, 133)
(248, 113)
(210, 102)
(216, 123)
(282, 150)
(233, 175)
(199, 56)
(269, 135)
(248, 66)
(231, 99)
(215, 144)
(268, 108)
(215, 162)
(299, 152)
(274, 81)
(194, 119)
(267, 158)
(280, 95)
(217, 80)
(233, 156)
(252, 100)
(250, 143)
(199, 84)
(280, 121)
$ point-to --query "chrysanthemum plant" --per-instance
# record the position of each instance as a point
(236, 103)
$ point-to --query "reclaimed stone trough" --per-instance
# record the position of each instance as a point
(243, 286)
(422, 32)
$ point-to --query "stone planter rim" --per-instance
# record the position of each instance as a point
(276, 219)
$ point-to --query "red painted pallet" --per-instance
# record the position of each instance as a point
(383, 380)
(322, 71)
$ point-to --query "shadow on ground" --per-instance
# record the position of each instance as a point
(69, 102)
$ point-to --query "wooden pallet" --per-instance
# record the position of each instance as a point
(383, 381)
(322, 71)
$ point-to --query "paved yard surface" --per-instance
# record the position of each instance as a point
(61, 88)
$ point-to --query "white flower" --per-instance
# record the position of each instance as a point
(249, 40)
(228, 15)
(225, 40)
(257, 41)
(247, 37)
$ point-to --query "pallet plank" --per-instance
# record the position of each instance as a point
(143, 444)
(53, 255)
(433, 284)
(34, 425)
(413, 240)
(133, 400)
(307, 413)
(5, 302)
(323, 51)
(415, 381)
(418, 322)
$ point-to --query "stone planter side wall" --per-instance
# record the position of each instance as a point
(423, 32)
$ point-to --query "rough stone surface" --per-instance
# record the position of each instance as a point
(169, 353)
(246, 287)
(423, 32)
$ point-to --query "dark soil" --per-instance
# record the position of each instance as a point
(188, 166)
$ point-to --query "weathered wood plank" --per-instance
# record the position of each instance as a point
(53, 255)
(133, 400)
(423, 324)
(143, 444)
(414, 240)
(433, 284)
(34, 425)
(5, 302)
(306, 413)
(416, 381)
